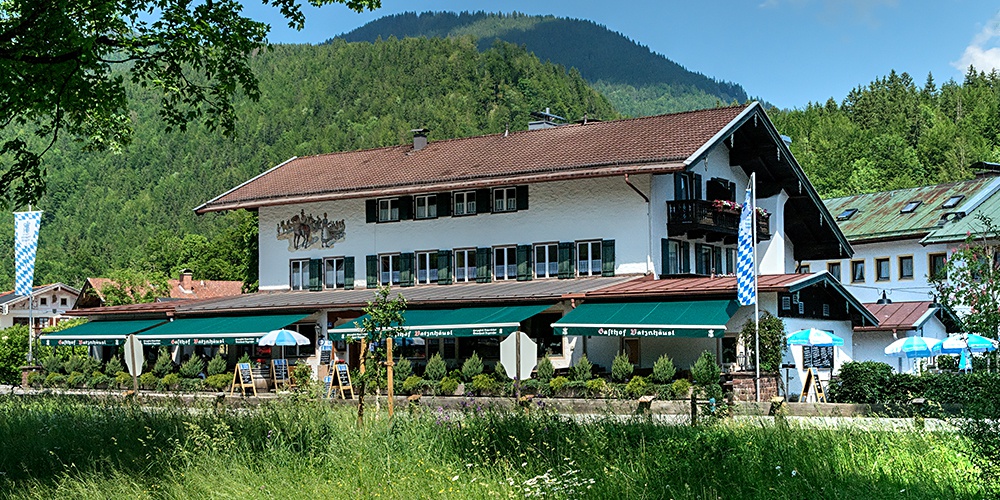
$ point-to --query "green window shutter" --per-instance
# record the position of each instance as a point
(699, 262)
(664, 256)
(524, 263)
(372, 263)
(405, 207)
(685, 257)
(315, 274)
(484, 201)
(522, 197)
(567, 267)
(697, 186)
(444, 267)
(371, 211)
(717, 260)
(444, 204)
(349, 273)
(406, 269)
(483, 266)
(608, 258)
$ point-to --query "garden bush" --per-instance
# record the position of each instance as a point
(534, 386)
(949, 363)
(448, 386)
(499, 372)
(472, 367)
(484, 384)
(124, 380)
(413, 385)
(169, 382)
(557, 383)
(681, 388)
(545, 370)
(621, 368)
(596, 386)
(74, 363)
(219, 381)
(52, 364)
(582, 370)
(13, 352)
(862, 382)
(147, 380)
(402, 369)
(113, 366)
(76, 380)
(55, 380)
(190, 384)
(164, 364)
(217, 366)
(436, 368)
(706, 371)
(638, 386)
(663, 370)
(192, 368)
(99, 380)
(302, 375)
(36, 379)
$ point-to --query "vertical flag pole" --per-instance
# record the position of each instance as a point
(31, 318)
(746, 266)
(756, 302)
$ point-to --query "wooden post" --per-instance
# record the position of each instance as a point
(388, 370)
(694, 410)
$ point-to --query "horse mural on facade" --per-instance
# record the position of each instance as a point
(303, 231)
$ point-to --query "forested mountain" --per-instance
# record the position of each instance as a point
(893, 134)
(637, 81)
(134, 209)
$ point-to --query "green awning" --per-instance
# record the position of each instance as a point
(217, 330)
(696, 318)
(465, 322)
(99, 333)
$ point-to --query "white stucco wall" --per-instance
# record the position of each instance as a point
(52, 311)
(841, 355)
(870, 346)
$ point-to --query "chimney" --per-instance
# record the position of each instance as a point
(185, 278)
(546, 120)
(419, 138)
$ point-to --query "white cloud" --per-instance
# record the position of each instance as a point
(984, 51)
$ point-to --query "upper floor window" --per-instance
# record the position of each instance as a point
(834, 269)
(857, 271)
(730, 261)
(547, 260)
(953, 201)
(426, 206)
(804, 269)
(63, 301)
(847, 214)
(505, 199)
(588, 258)
(465, 265)
(687, 186)
(678, 259)
(465, 203)
(505, 263)
(388, 209)
(910, 207)
(299, 274)
(333, 273)
(43, 301)
(906, 267)
(388, 269)
(708, 259)
(935, 265)
(882, 269)
(427, 268)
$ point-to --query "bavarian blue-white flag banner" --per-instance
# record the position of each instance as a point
(25, 246)
(746, 272)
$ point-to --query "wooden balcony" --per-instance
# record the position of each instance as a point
(699, 219)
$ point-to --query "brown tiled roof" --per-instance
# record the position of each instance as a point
(655, 144)
(721, 285)
(165, 308)
(898, 316)
(184, 288)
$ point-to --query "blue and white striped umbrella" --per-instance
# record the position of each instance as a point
(283, 338)
(955, 344)
(814, 337)
(911, 347)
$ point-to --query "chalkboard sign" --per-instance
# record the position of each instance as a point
(279, 371)
(343, 378)
(243, 378)
(325, 352)
(817, 357)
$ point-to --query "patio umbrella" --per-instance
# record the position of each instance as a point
(911, 347)
(283, 338)
(814, 337)
(956, 344)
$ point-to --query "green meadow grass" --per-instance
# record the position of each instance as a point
(72, 448)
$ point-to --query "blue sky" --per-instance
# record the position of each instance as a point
(789, 52)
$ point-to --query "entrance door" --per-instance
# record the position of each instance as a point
(632, 349)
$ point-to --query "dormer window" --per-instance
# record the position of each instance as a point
(847, 214)
(910, 207)
(953, 201)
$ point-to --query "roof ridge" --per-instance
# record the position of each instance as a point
(943, 184)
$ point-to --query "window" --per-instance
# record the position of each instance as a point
(333, 273)
(882, 269)
(935, 266)
(588, 257)
(857, 271)
(505, 263)
(730, 261)
(427, 268)
(388, 269)
(465, 203)
(906, 267)
(708, 259)
(953, 201)
(299, 279)
(910, 207)
(426, 207)
(847, 214)
(465, 265)
(505, 199)
(678, 259)
(834, 269)
(62, 301)
(388, 209)
(547, 260)
(43, 301)
(804, 269)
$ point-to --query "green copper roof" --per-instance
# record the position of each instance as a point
(970, 224)
(878, 214)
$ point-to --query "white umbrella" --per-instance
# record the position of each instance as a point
(911, 347)
(283, 338)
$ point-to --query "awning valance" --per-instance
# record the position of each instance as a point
(465, 322)
(693, 319)
(99, 333)
(217, 330)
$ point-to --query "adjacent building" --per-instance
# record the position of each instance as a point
(47, 306)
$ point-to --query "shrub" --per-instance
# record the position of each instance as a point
(217, 366)
(402, 370)
(706, 371)
(245, 358)
(596, 386)
(448, 386)
(123, 380)
(193, 367)
(170, 382)
(638, 386)
(146, 381)
(36, 379)
(556, 384)
(302, 375)
(413, 384)
(52, 364)
(533, 386)
(862, 382)
(582, 369)
(483, 383)
(436, 368)
(500, 372)
(99, 380)
(472, 367)
(680, 388)
(55, 380)
(219, 381)
(455, 374)
(545, 370)
(621, 368)
(164, 364)
(76, 379)
(74, 364)
(664, 370)
(190, 384)
(113, 366)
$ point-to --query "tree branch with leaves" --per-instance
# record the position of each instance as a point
(383, 321)
(970, 281)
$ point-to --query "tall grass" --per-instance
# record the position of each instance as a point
(71, 448)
